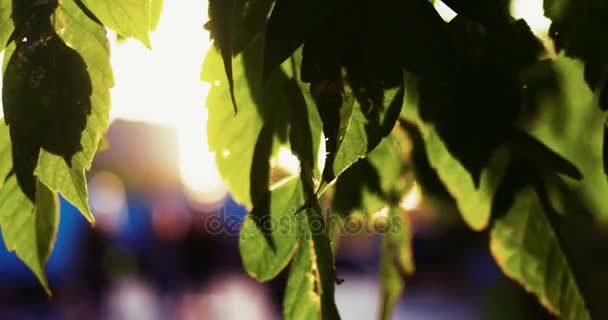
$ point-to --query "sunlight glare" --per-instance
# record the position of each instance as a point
(412, 199)
(287, 161)
(446, 13)
(162, 86)
(533, 13)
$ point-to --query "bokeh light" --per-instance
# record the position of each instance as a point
(412, 199)
(108, 202)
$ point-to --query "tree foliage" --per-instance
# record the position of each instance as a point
(509, 128)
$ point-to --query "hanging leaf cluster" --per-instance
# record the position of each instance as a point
(372, 98)
(56, 100)
(374, 95)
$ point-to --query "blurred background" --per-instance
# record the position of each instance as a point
(158, 249)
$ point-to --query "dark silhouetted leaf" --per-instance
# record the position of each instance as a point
(234, 25)
(46, 97)
(564, 117)
(418, 35)
(89, 39)
(258, 183)
(577, 27)
(483, 95)
(545, 159)
(352, 186)
(289, 25)
(222, 13)
(474, 202)
(517, 176)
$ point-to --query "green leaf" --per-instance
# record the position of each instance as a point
(222, 14)
(475, 204)
(234, 137)
(233, 25)
(306, 127)
(549, 239)
(323, 255)
(262, 261)
(89, 39)
(130, 18)
(6, 23)
(528, 249)
(362, 133)
(70, 182)
(156, 8)
(231, 136)
(28, 229)
(372, 182)
(302, 301)
(564, 114)
(396, 260)
(375, 185)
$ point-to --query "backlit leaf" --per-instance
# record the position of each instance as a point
(28, 229)
(89, 40)
(130, 18)
(262, 261)
(396, 260)
(301, 301)
(6, 24)
(527, 248)
(474, 203)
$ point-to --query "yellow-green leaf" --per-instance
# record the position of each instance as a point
(265, 255)
(89, 39)
(130, 18)
(28, 229)
(474, 204)
(528, 249)
(396, 260)
(301, 301)
(6, 23)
